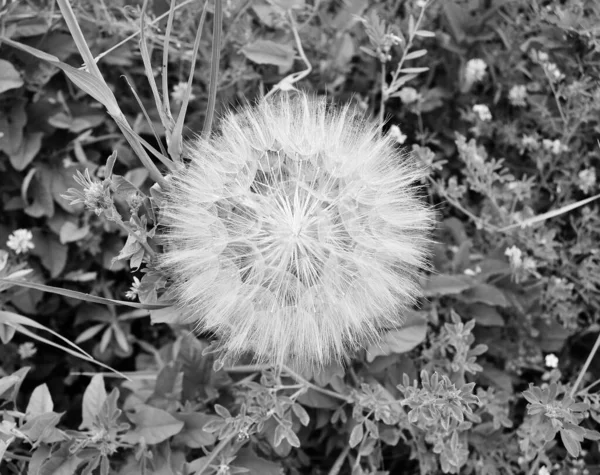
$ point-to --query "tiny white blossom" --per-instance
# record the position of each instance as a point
(515, 256)
(408, 95)
(21, 241)
(554, 146)
(27, 350)
(179, 92)
(554, 72)
(397, 134)
(133, 292)
(517, 95)
(543, 470)
(551, 361)
(67, 162)
(483, 112)
(421, 3)
(475, 70)
(529, 142)
(587, 179)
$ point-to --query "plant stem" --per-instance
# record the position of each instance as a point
(586, 365)
(339, 461)
(215, 452)
(383, 98)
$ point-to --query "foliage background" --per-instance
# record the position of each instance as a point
(503, 347)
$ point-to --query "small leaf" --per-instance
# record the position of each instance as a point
(356, 435)
(415, 54)
(40, 402)
(8, 382)
(269, 52)
(413, 70)
(93, 399)
(425, 34)
(9, 76)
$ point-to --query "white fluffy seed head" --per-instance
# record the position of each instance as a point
(296, 234)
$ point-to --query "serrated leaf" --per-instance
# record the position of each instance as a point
(9, 76)
(269, 52)
(40, 401)
(94, 397)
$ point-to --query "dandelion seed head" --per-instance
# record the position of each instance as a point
(295, 234)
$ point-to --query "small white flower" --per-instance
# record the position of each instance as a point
(27, 350)
(542, 56)
(472, 272)
(554, 146)
(554, 72)
(475, 70)
(515, 256)
(20, 241)
(517, 95)
(397, 134)
(408, 95)
(551, 361)
(67, 162)
(421, 3)
(587, 179)
(529, 142)
(483, 112)
(134, 290)
(179, 92)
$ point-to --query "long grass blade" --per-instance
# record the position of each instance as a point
(550, 214)
(176, 143)
(82, 296)
(162, 155)
(77, 34)
(19, 322)
(165, 63)
(167, 124)
(214, 67)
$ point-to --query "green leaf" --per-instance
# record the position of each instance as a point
(402, 340)
(9, 76)
(51, 252)
(27, 151)
(485, 315)
(8, 382)
(356, 435)
(256, 465)
(88, 83)
(193, 434)
(485, 293)
(153, 424)
(40, 402)
(415, 54)
(81, 296)
(443, 284)
(269, 52)
(94, 397)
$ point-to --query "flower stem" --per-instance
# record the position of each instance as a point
(586, 365)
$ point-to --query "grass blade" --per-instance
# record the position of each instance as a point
(82, 296)
(550, 214)
(176, 142)
(214, 67)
